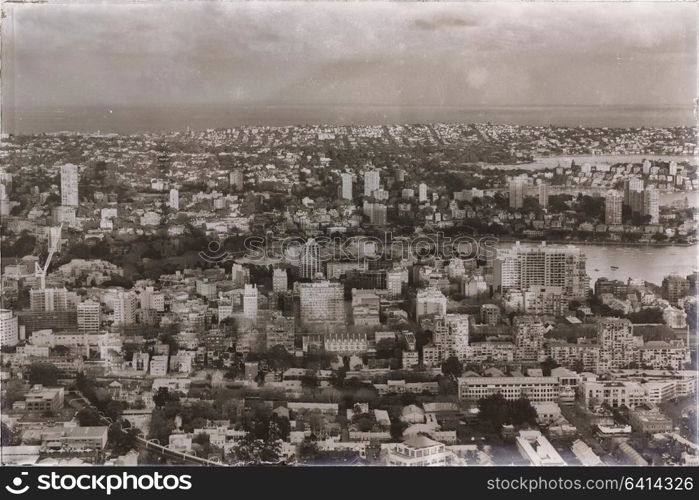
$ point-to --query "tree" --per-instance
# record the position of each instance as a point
(310, 380)
(547, 365)
(385, 348)
(452, 367)
(114, 409)
(397, 428)
(121, 439)
(308, 450)
(24, 245)
(202, 438)
(88, 417)
(13, 390)
(100, 250)
(43, 373)
(255, 451)
(497, 411)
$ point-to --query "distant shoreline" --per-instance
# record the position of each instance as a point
(600, 244)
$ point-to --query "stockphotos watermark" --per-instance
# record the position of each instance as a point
(262, 249)
(107, 483)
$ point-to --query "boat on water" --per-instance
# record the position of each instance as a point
(614, 268)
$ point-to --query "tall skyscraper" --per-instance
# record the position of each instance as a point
(422, 192)
(346, 192)
(372, 181)
(125, 308)
(612, 207)
(250, 302)
(309, 265)
(9, 331)
(394, 282)
(174, 199)
(4, 201)
(69, 185)
(517, 186)
(633, 194)
(377, 214)
(322, 301)
(521, 267)
(88, 316)
(651, 205)
(280, 280)
(543, 195)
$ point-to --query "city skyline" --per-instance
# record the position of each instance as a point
(480, 250)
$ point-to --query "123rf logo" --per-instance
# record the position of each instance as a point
(107, 483)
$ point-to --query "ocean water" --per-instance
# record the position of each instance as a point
(136, 119)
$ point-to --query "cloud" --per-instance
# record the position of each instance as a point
(362, 53)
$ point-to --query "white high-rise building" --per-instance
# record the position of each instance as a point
(521, 267)
(280, 280)
(673, 168)
(543, 195)
(309, 265)
(451, 336)
(9, 331)
(394, 282)
(612, 208)
(174, 199)
(4, 201)
(346, 191)
(88, 316)
(250, 302)
(125, 308)
(422, 192)
(322, 301)
(55, 238)
(69, 185)
(372, 181)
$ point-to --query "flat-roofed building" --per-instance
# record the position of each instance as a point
(533, 446)
(649, 421)
(44, 399)
(536, 389)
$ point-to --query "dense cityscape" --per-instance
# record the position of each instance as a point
(385, 295)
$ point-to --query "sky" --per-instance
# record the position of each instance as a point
(268, 56)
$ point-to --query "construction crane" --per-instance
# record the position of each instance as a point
(54, 244)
